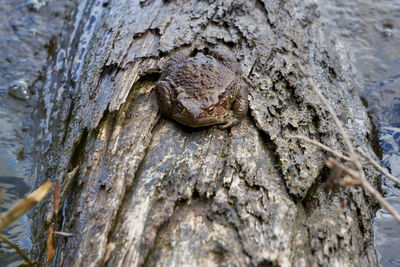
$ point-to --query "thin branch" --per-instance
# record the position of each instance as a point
(320, 145)
(336, 153)
(370, 189)
(329, 107)
(17, 249)
(353, 155)
(343, 133)
(332, 163)
(64, 234)
(378, 166)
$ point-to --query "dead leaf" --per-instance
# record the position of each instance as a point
(51, 244)
(56, 198)
(109, 248)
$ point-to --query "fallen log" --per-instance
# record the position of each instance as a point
(137, 188)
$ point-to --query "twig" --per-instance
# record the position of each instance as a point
(378, 166)
(19, 251)
(353, 155)
(330, 109)
(370, 160)
(320, 145)
(370, 189)
(64, 234)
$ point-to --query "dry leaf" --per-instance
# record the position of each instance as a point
(56, 198)
(51, 244)
(109, 248)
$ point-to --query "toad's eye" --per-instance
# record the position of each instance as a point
(210, 110)
(181, 108)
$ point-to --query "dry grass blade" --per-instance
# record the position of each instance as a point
(23, 205)
(19, 251)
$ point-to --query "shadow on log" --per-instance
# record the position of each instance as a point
(139, 189)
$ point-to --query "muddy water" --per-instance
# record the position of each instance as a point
(370, 30)
(26, 30)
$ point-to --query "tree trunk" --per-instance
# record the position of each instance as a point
(167, 195)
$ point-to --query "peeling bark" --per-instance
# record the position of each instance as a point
(169, 195)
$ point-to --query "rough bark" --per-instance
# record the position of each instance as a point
(169, 195)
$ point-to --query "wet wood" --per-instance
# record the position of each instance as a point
(162, 194)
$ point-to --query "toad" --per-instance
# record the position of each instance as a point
(203, 90)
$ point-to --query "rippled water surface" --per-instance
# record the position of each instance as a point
(370, 30)
(26, 29)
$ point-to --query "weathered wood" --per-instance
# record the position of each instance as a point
(169, 195)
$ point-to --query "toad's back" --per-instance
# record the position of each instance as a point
(203, 75)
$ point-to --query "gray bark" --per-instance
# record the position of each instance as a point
(168, 195)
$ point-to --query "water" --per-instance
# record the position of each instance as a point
(370, 30)
(12, 184)
(24, 36)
